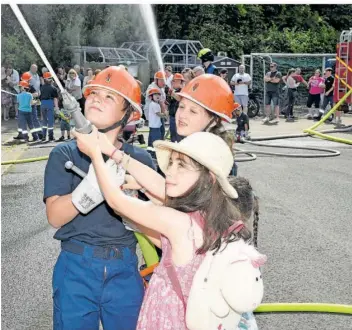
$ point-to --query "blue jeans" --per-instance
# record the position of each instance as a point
(234, 170)
(47, 109)
(88, 288)
(162, 129)
(24, 119)
(328, 100)
(154, 135)
(173, 130)
(37, 126)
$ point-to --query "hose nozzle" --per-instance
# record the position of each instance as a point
(82, 125)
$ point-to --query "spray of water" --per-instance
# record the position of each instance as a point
(149, 20)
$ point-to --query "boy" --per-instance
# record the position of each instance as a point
(242, 123)
(24, 100)
(155, 116)
(96, 276)
(65, 118)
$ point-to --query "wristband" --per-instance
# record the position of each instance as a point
(112, 154)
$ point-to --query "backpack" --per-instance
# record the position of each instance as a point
(225, 286)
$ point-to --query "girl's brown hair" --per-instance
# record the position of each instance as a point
(218, 210)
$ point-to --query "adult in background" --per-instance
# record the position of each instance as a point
(61, 75)
(241, 81)
(224, 75)
(169, 76)
(316, 87)
(328, 95)
(35, 79)
(88, 77)
(44, 69)
(13, 79)
(292, 93)
(207, 58)
(272, 84)
(73, 86)
(297, 76)
(198, 70)
(77, 68)
(187, 74)
(6, 99)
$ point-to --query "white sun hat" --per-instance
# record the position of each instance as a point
(207, 149)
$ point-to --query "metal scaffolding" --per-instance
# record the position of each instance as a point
(175, 52)
(109, 54)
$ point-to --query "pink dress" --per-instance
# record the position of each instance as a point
(162, 309)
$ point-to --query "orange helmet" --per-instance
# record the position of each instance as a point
(47, 75)
(236, 106)
(116, 79)
(24, 84)
(136, 116)
(212, 93)
(160, 75)
(153, 91)
(178, 76)
(26, 76)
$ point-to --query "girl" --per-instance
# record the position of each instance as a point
(316, 87)
(199, 210)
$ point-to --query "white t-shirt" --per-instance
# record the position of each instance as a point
(241, 89)
(147, 98)
(76, 82)
(169, 81)
(154, 119)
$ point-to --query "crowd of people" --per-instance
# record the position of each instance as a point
(35, 99)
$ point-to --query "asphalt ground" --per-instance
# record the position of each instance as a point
(305, 230)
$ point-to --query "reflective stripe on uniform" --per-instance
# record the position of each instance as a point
(50, 128)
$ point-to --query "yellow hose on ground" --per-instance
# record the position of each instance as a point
(328, 137)
(312, 131)
(304, 307)
(333, 109)
(27, 160)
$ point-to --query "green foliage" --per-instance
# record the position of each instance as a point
(236, 29)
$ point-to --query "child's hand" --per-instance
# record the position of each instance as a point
(131, 183)
(88, 143)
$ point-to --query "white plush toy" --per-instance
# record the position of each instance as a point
(225, 286)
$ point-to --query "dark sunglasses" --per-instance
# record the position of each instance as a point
(272, 66)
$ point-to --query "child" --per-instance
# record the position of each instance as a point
(49, 101)
(198, 213)
(173, 100)
(155, 116)
(242, 130)
(24, 100)
(65, 118)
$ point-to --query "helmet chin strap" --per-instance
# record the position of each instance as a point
(120, 123)
(206, 129)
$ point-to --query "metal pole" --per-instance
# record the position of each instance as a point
(35, 43)
(186, 54)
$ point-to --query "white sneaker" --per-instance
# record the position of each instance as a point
(276, 120)
(265, 120)
(308, 116)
